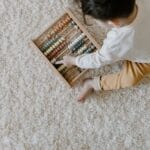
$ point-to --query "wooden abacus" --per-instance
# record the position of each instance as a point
(66, 36)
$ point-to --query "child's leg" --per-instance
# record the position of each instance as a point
(130, 75)
(90, 84)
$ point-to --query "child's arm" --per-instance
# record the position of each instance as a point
(115, 46)
(67, 61)
(108, 54)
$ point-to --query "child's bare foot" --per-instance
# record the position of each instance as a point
(86, 90)
(90, 85)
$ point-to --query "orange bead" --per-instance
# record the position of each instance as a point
(63, 44)
(68, 17)
(63, 22)
(56, 27)
(66, 20)
(57, 51)
(55, 30)
(60, 26)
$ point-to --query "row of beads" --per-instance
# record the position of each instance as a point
(59, 26)
(56, 51)
(53, 43)
(70, 74)
(86, 49)
(70, 38)
(54, 30)
(73, 74)
(64, 70)
(62, 67)
(90, 49)
(68, 70)
(71, 25)
(49, 43)
(56, 44)
(83, 48)
(79, 38)
(79, 48)
(79, 45)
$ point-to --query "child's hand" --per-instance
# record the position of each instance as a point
(67, 61)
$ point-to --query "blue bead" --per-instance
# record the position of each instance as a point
(78, 45)
(89, 50)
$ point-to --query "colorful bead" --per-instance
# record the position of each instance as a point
(71, 45)
(57, 50)
(78, 45)
(61, 68)
(90, 49)
(80, 51)
(54, 46)
(64, 22)
(71, 73)
(59, 26)
(64, 71)
(49, 43)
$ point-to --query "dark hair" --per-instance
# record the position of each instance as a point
(107, 9)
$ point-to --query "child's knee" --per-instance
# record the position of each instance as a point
(130, 81)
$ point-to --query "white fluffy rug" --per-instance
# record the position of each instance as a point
(37, 112)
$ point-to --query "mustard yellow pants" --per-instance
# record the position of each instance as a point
(129, 76)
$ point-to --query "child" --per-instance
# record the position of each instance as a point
(127, 40)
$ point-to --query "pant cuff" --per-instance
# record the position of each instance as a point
(97, 84)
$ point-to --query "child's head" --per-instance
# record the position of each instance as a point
(107, 10)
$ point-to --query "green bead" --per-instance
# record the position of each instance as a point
(78, 45)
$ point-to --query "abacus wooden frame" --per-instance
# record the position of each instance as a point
(83, 29)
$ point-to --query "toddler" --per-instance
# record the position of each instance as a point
(128, 40)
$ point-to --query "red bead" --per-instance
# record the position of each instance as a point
(48, 36)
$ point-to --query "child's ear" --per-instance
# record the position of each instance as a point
(114, 22)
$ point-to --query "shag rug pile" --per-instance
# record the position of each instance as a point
(38, 112)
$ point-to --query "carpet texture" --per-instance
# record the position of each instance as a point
(37, 112)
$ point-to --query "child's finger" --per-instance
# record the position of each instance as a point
(81, 100)
(59, 62)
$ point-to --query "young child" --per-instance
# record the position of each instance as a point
(127, 40)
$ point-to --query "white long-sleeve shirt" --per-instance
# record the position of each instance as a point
(131, 42)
